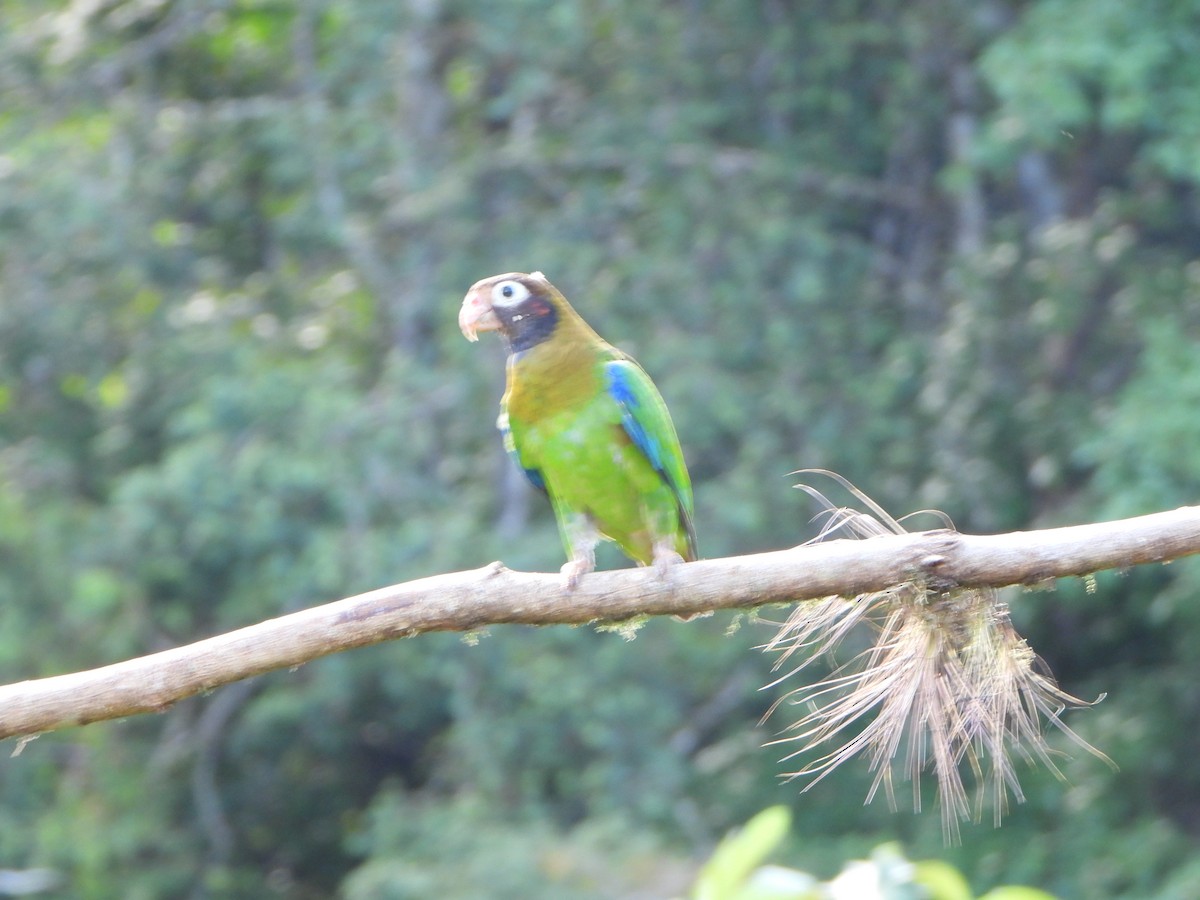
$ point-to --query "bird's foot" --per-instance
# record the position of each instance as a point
(581, 539)
(665, 558)
(576, 569)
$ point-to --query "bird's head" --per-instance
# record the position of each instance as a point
(524, 308)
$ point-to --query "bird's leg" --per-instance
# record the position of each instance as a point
(665, 556)
(582, 538)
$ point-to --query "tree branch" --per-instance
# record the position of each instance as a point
(463, 601)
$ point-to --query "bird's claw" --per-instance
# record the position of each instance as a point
(576, 569)
(664, 558)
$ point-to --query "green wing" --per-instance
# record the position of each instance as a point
(645, 419)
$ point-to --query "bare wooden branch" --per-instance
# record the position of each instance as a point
(465, 601)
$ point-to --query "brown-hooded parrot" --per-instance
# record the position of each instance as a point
(587, 426)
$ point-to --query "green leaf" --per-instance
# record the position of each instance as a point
(740, 853)
(941, 880)
(1012, 892)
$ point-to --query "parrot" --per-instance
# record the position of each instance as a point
(587, 426)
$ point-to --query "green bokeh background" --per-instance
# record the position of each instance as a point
(949, 250)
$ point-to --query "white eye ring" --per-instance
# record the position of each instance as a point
(509, 293)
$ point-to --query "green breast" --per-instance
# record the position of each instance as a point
(590, 466)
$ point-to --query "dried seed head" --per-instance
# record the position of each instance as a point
(947, 681)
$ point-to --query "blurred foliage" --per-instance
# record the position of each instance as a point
(948, 250)
(736, 871)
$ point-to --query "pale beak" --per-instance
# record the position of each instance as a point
(476, 315)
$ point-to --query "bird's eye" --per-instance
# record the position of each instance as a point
(509, 293)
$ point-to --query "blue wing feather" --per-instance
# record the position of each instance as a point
(621, 389)
(534, 475)
(645, 419)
